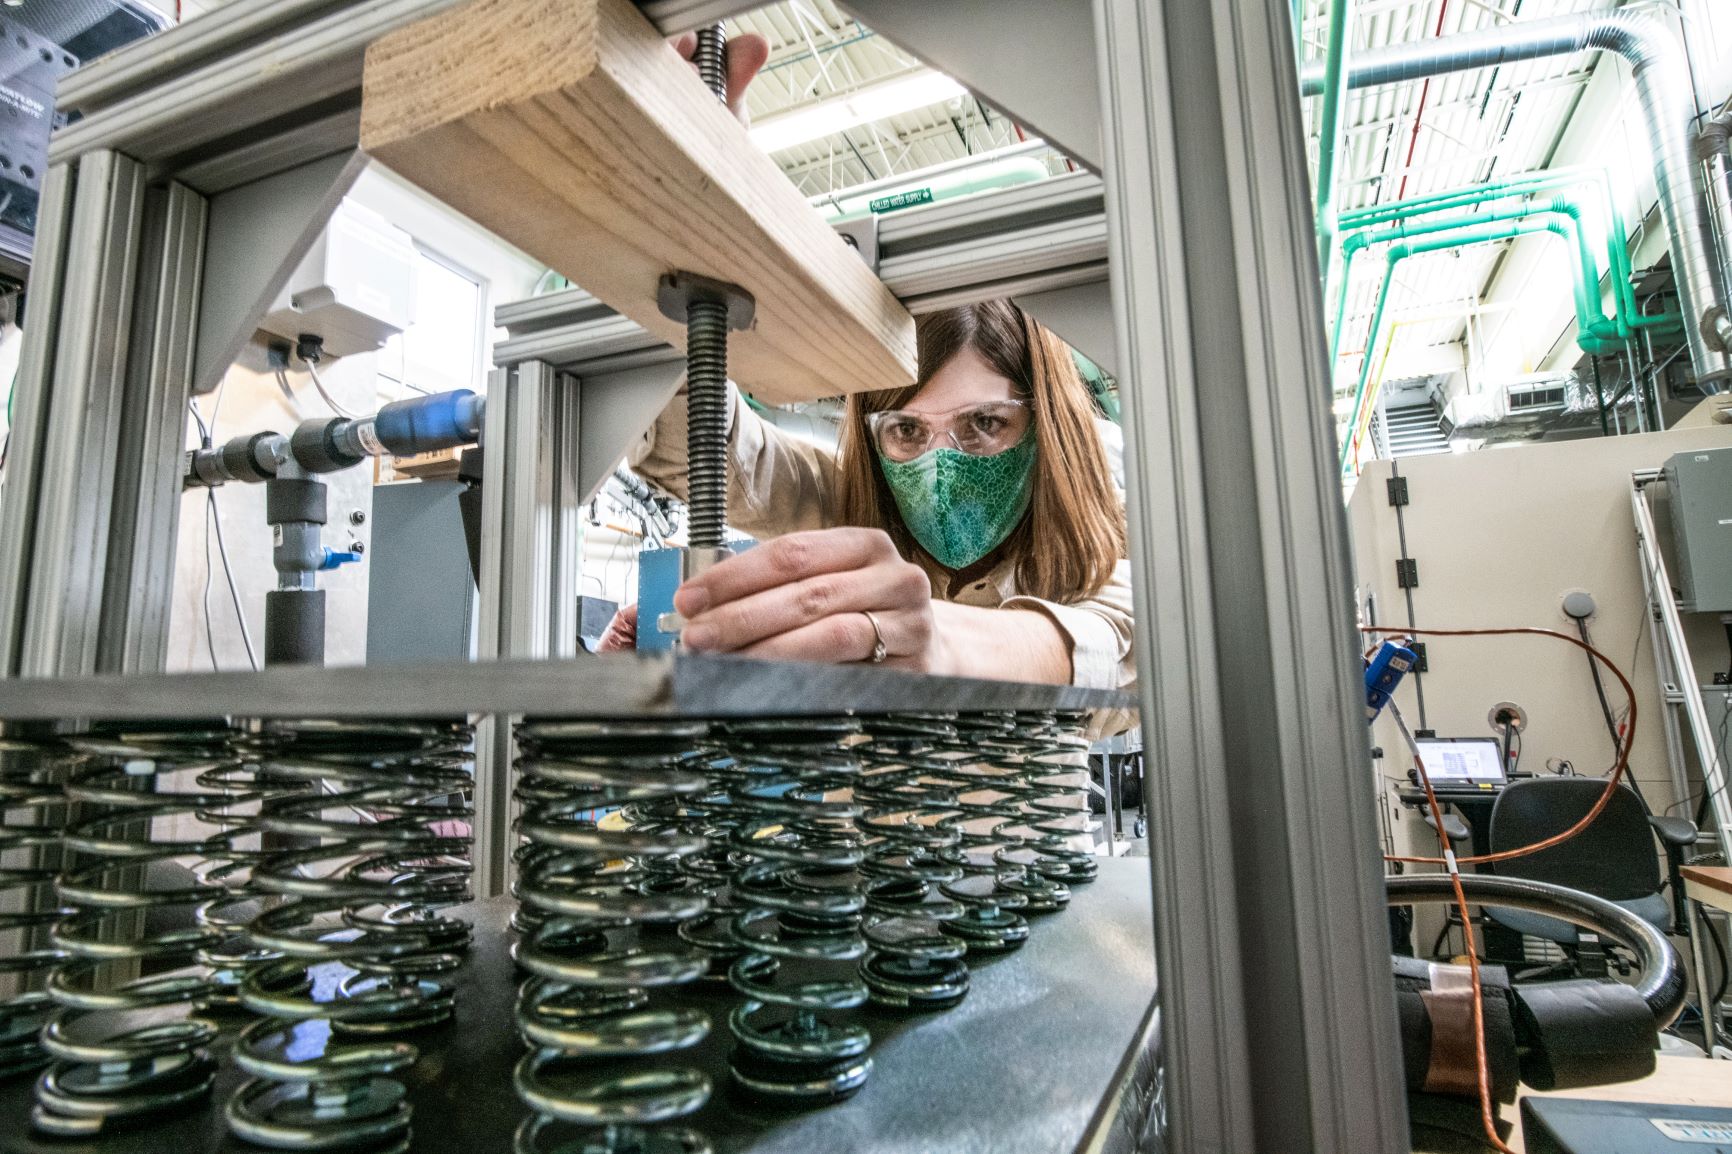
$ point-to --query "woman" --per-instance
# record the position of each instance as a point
(967, 524)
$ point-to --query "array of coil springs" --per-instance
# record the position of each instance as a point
(298, 870)
(304, 871)
(973, 822)
(809, 865)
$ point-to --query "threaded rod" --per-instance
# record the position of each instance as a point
(711, 57)
(707, 361)
(707, 421)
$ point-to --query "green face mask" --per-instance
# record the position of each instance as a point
(961, 507)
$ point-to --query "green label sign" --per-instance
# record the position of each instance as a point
(901, 200)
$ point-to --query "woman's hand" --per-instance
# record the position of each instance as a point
(621, 635)
(804, 597)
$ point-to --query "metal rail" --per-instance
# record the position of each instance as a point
(1673, 667)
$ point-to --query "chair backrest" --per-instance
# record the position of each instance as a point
(1614, 858)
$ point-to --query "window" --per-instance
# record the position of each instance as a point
(442, 348)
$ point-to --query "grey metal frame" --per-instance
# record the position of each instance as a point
(1674, 670)
(1270, 933)
(530, 570)
(1278, 1020)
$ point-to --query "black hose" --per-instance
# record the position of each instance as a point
(1606, 707)
(1662, 983)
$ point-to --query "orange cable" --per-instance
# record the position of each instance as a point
(1452, 864)
(1616, 773)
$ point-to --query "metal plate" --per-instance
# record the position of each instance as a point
(615, 685)
(1021, 1066)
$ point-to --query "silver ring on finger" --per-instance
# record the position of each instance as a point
(879, 650)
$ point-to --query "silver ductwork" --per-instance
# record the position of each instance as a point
(1715, 156)
(1532, 404)
(1648, 39)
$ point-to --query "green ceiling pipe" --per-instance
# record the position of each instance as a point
(1618, 235)
(1332, 134)
(1359, 226)
(1484, 233)
(1594, 324)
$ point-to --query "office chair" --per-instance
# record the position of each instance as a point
(1613, 858)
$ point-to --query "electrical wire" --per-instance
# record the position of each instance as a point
(1614, 776)
(319, 384)
(207, 439)
(288, 392)
(228, 575)
(1713, 1006)
(1605, 706)
(1453, 864)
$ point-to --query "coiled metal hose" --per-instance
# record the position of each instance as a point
(801, 902)
(364, 950)
(130, 935)
(32, 814)
(593, 953)
(1662, 984)
(911, 963)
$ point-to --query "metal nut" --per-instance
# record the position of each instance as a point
(358, 517)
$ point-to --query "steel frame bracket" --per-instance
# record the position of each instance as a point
(258, 234)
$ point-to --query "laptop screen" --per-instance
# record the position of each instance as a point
(1462, 760)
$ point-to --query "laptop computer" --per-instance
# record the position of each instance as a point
(1463, 763)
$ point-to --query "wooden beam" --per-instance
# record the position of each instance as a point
(572, 130)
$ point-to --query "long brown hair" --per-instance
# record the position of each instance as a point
(1074, 514)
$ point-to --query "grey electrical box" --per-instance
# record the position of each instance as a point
(420, 590)
(1700, 486)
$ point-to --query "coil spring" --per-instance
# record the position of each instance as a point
(595, 900)
(245, 790)
(1020, 810)
(910, 963)
(361, 872)
(32, 803)
(1053, 766)
(120, 1053)
(801, 901)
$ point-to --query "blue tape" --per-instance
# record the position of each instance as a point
(427, 424)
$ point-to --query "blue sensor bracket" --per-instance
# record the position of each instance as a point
(1383, 673)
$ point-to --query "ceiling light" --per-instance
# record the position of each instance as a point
(840, 113)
